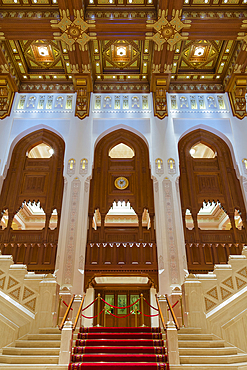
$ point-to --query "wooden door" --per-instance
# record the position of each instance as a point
(121, 298)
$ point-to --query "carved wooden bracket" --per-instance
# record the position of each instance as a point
(7, 93)
(160, 87)
(82, 85)
(237, 91)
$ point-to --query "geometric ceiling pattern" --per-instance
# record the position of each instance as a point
(124, 46)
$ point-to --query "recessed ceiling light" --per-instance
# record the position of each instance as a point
(225, 1)
(128, 76)
(97, 64)
(245, 1)
(15, 1)
(54, 1)
(218, 76)
(174, 64)
(40, 76)
(146, 50)
(25, 76)
(91, 1)
(222, 64)
(187, 76)
(96, 50)
(19, 64)
(35, 1)
(110, 1)
(70, 76)
(64, 50)
(145, 64)
(130, 1)
(186, 1)
(227, 50)
(177, 50)
(172, 76)
(206, 1)
(67, 64)
(55, 76)
(51, 151)
(98, 76)
(192, 151)
(14, 50)
(202, 76)
(114, 76)
(149, 1)
(144, 76)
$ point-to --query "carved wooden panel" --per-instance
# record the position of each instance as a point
(209, 179)
(129, 258)
(31, 179)
(103, 191)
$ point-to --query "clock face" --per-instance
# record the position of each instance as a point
(121, 183)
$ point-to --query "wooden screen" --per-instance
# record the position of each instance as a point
(35, 180)
(116, 246)
(210, 180)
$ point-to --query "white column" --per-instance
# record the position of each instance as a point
(155, 319)
(90, 310)
(65, 347)
(172, 343)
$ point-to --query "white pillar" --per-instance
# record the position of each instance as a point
(90, 310)
(65, 347)
(155, 319)
(172, 343)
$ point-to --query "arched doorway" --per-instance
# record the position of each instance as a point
(31, 201)
(213, 208)
(121, 236)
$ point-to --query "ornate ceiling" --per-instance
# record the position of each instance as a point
(123, 46)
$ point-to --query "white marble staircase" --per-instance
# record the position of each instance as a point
(200, 351)
(33, 352)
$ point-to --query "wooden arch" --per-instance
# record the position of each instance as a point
(209, 179)
(103, 191)
(33, 179)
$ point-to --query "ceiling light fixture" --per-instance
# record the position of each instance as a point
(14, 50)
(64, 50)
(70, 76)
(97, 64)
(96, 50)
(199, 51)
(40, 76)
(202, 76)
(192, 151)
(55, 76)
(25, 76)
(145, 64)
(51, 151)
(98, 76)
(43, 51)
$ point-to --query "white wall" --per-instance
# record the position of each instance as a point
(162, 138)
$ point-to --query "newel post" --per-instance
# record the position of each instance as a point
(65, 347)
(172, 343)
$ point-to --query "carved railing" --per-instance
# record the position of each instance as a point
(39, 257)
(134, 258)
(202, 257)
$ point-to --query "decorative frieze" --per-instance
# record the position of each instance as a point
(198, 103)
(45, 103)
(121, 103)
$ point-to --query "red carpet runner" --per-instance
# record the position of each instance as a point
(119, 349)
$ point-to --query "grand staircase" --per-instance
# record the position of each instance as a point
(33, 352)
(118, 349)
(199, 351)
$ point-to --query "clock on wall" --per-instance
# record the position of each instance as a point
(121, 183)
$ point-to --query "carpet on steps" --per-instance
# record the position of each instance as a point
(119, 349)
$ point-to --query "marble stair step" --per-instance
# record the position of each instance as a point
(208, 351)
(239, 366)
(37, 343)
(49, 331)
(17, 351)
(43, 337)
(213, 359)
(201, 343)
(196, 336)
(29, 359)
(190, 331)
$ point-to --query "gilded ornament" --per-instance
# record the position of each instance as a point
(168, 32)
(73, 32)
